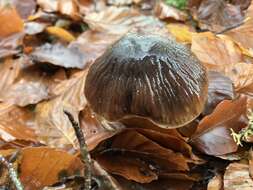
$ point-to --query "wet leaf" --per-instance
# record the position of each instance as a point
(43, 166)
(213, 135)
(60, 55)
(237, 177)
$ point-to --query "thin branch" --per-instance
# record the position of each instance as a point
(12, 173)
(85, 156)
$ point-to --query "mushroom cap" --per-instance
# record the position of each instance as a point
(147, 76)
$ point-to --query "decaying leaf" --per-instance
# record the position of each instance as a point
(215, 183)
(181, 32)
(43, 166)
(213, 135)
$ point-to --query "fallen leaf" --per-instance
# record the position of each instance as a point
(218, 15)
(9, 71)
(164, 11)
(237, 177)
(25, 8)
(120, 20)
(214, 52)
(54, 127)
(93, 44)
(220, 88)
(60, 33)
(130, 168)
(8, 28)
(181, 32)
(43, 166)
(241, 75)
(60, 55)
(213, 135)
(244, 33)
(93, 130)
(9, 45)
(16, 123)
(31, 86)
(66, 7)
(132, 140)
(216, 183)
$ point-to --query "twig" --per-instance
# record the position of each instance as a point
(85, 156)
(12, 173)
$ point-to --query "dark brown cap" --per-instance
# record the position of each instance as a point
(147, 76)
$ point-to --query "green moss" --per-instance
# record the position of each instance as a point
(180, 4)
(245, 133)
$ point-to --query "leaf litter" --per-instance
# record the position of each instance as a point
(45, 54)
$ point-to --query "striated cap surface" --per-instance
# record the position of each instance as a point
(147, 76)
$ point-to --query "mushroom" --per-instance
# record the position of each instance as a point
(147, 76)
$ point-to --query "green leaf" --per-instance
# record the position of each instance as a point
(180, 4)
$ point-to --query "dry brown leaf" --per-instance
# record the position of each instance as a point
(8, 28)
(241, 75)
(214, 52)
(132, 140)
(42, 166)
(237, 177)
(54, 127)
(213, 135)
(164, 11)
(244, 33)
(119, 20)
(57, 54)
(130, 168)
(16, 123)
